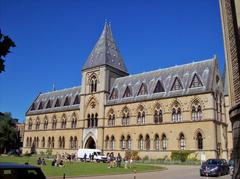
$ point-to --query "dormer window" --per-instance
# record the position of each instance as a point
(127, 93)
(114, 94)
(77, 100)
(40, 105)
(49, 104)
(57, 104)
(93, 84)
(67, 103)
(196, 82)
(158, 88)
(177, 85)
(142, 90)
(33, 107)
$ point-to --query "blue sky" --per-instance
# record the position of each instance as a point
(55, 37)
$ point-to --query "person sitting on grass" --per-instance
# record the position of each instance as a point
(43, 162)
(61, 164)
(54, 162)
(39, 161)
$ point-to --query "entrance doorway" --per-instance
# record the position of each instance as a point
(90, 144)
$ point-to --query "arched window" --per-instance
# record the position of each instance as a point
(123, 142)
(88, 121)
(75, 142)
(93, 84)
(220, 107)
(141, 116)
(182, 141)
(43, 142)
(71, 142)
(157, 142)
(141, 142)
(52, 142)
(158, 117)
(74, 122)
(45, 125)
(60, 142)
(176, 114)
(63, 142)
(147, 142)
(37, 124)
(30, 124)
(107, 142)
(125, 117)
(49, 142)
(64, 122)
(196, 112)
(164, 142)
(112, 143)
(37, 142)
(92, 120)
(199, 141)
(54, 123)
(142, 90)
(111, 118)
(96, 120)
(129, 142)
(27, 142)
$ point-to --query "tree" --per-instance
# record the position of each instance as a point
(5, 44)
(8, 132)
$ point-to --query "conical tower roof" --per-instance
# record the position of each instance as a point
(105, 52)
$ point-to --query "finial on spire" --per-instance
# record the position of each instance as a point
(53, 87)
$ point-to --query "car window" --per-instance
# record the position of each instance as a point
(212, 162)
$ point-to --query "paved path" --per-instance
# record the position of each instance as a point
(173, 172)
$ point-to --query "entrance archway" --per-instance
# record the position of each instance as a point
(90, 144)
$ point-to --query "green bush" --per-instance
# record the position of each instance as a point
(145, 157)
(180, 155)
(42, 154)
(133, 154)
(49, 153)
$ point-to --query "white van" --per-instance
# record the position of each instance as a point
(98, 156)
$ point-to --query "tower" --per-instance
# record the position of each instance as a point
(102, 67)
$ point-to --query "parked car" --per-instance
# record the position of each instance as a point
(214, 167)
(20, 171)
(231, 166)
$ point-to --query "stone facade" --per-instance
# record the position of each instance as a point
(154, 113)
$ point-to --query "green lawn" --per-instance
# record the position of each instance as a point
(80, 168)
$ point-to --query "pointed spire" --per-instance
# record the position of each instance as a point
(105, 52)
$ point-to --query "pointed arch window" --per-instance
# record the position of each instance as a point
(93, 84)
(125, 117)
(64, 122)
(30, 124)
(107, 142)
(123, 142)
(128, 142)
(92, 120)
(196, 112)
(176, 114)
(127, 92)
(199, 141)
(143, 90)
(114, 94)
(157, 142)
(77, 100)
(164, 142)
(67, 101)
(45, 125)
(111, 119)
(57, 104)
(43, 142)
(112, 143)
(49, 142)
(159, 87)
(177, 85)
(196, 82)
(147, 142)
(158, 117)
(49, 104)
(141, 116)
(54, 123)
(141, 142)
(182, 141)
(75, 142)
(37, 124)
(74, 122)
(52, 142)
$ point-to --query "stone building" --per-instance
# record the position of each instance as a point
(154, 113)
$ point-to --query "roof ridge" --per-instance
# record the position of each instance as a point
(64, 89)
(157, 70)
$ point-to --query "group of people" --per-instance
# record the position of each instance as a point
(117, 161)
(90, 157)
(41, 161)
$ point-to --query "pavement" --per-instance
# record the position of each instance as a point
(172, 172)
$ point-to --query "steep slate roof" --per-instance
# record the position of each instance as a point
(105, 52)
(204, 70)
(61, 95)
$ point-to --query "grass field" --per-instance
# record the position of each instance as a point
(79, 168)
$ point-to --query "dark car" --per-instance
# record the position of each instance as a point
(214, 167)
(20, 171)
